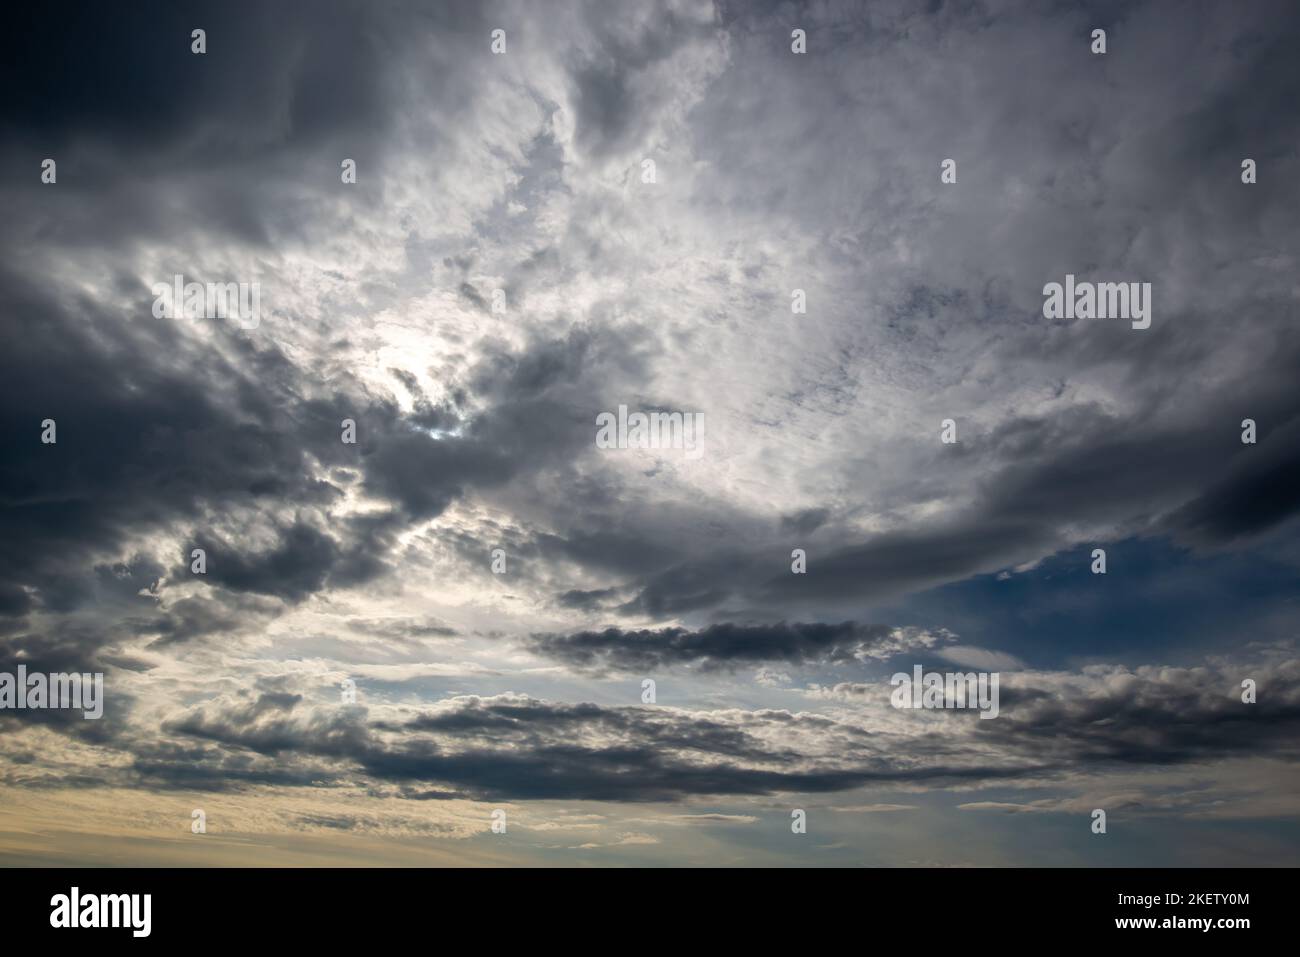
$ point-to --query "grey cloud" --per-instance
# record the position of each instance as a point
(1050, 725)
(615, 82)
(728, 646)
(776, 171)
(403, 629)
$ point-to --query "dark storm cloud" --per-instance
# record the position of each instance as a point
(610, 549)
(1258, 492)
(776, 170)
(1168, 461)
(339, 86)
(13, 600)
(336, 87)
(588, 600)
(296, 567)
(91, 69)
(626, 754)
(259, 716)
(1200, 485)
(514, 747)
(403, 629)
(720, 646)
(144, 442)
(239, 141)
(198, 616)
(1087, 465)
(533, 419)
(141, 444)
(67, 649)
(1151, 716)
(215, 769)
(151, 435)
(889, 564)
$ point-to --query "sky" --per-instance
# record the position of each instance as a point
(430, 598)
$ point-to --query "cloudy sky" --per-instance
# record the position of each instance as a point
(617, 209)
